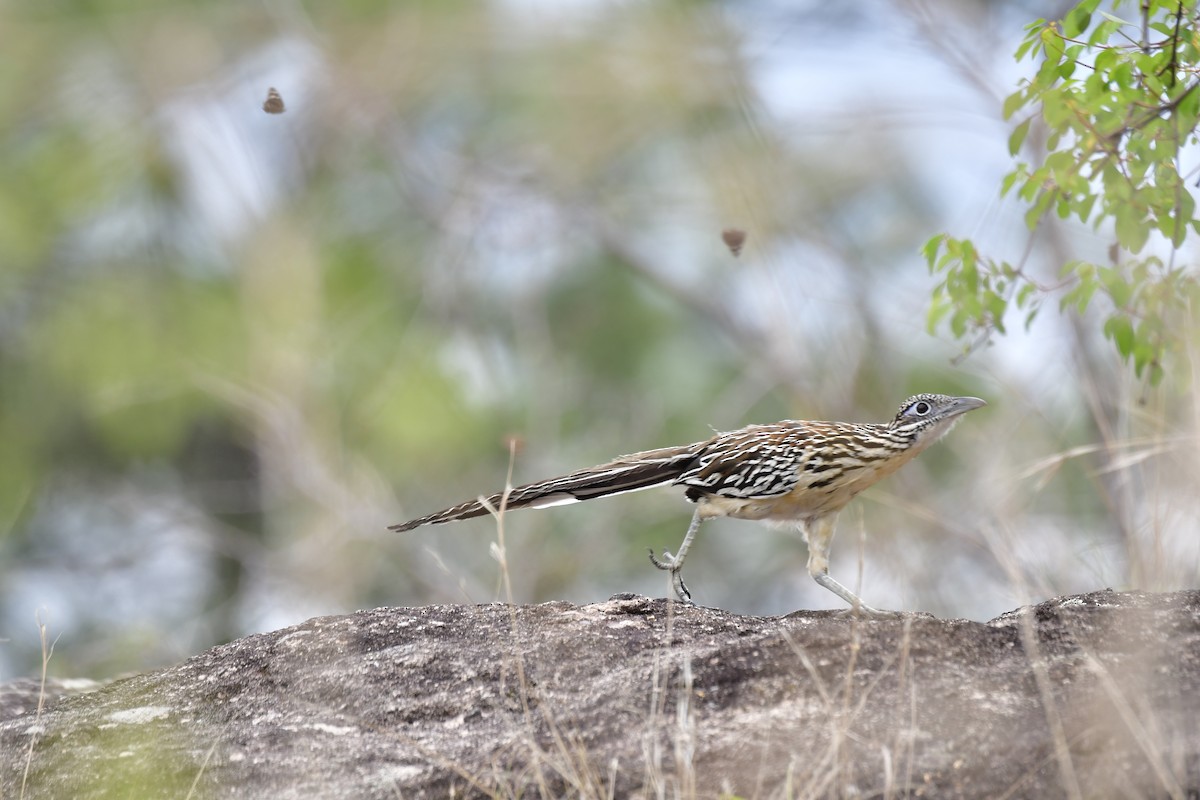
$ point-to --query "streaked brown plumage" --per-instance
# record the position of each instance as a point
(791, 472)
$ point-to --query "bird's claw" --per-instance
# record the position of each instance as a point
(667, 562)
(670, 563)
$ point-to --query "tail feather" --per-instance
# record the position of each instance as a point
(625, 474)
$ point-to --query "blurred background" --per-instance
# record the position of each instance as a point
(236, 345)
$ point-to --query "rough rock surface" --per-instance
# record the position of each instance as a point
(1092, 696)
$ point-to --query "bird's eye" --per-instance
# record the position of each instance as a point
(920, 408)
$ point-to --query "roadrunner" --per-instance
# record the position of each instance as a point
(793, 472)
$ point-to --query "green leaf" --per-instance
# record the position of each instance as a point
(930, 250)
(1076, 21)
(1039, 207)
(1188, 107)
(938, 309)
(1103, 32)
(1015, 140)
(1104, 61)
(1013, 102)
(1185, 212)
(1132, 232)
(1052, 48)
(1114, 282)
(1024, 48)
(1084, 205)
(1122, 74)
(996, 307)
(1117, 20)
(1024, 294)
(1007, 182)
(1056, 109)
(1033, 184)
(970, 268)
(958, 324)
(1120, 332)
(1086, 290)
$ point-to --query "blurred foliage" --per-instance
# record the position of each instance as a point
(1118, 105)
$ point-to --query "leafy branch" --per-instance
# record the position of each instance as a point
(1118, 102)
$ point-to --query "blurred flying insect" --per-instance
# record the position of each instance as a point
(734, 238)
(274, 102)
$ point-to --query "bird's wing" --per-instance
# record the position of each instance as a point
(758, 461)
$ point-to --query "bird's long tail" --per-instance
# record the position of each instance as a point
(625, 474)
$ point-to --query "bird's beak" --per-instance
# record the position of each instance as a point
(962, 405)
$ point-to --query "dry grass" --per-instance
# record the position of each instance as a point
(47, 652)
(669, 772)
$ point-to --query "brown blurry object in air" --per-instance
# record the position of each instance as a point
(734, 238)
(274, 103)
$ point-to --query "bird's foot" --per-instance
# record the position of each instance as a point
(667, 561)
(673, 565)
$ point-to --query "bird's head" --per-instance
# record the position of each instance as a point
(930, 416)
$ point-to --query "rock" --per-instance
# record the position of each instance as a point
(1096, 695)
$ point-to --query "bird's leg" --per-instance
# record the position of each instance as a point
(674, 563)
(819, 534)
